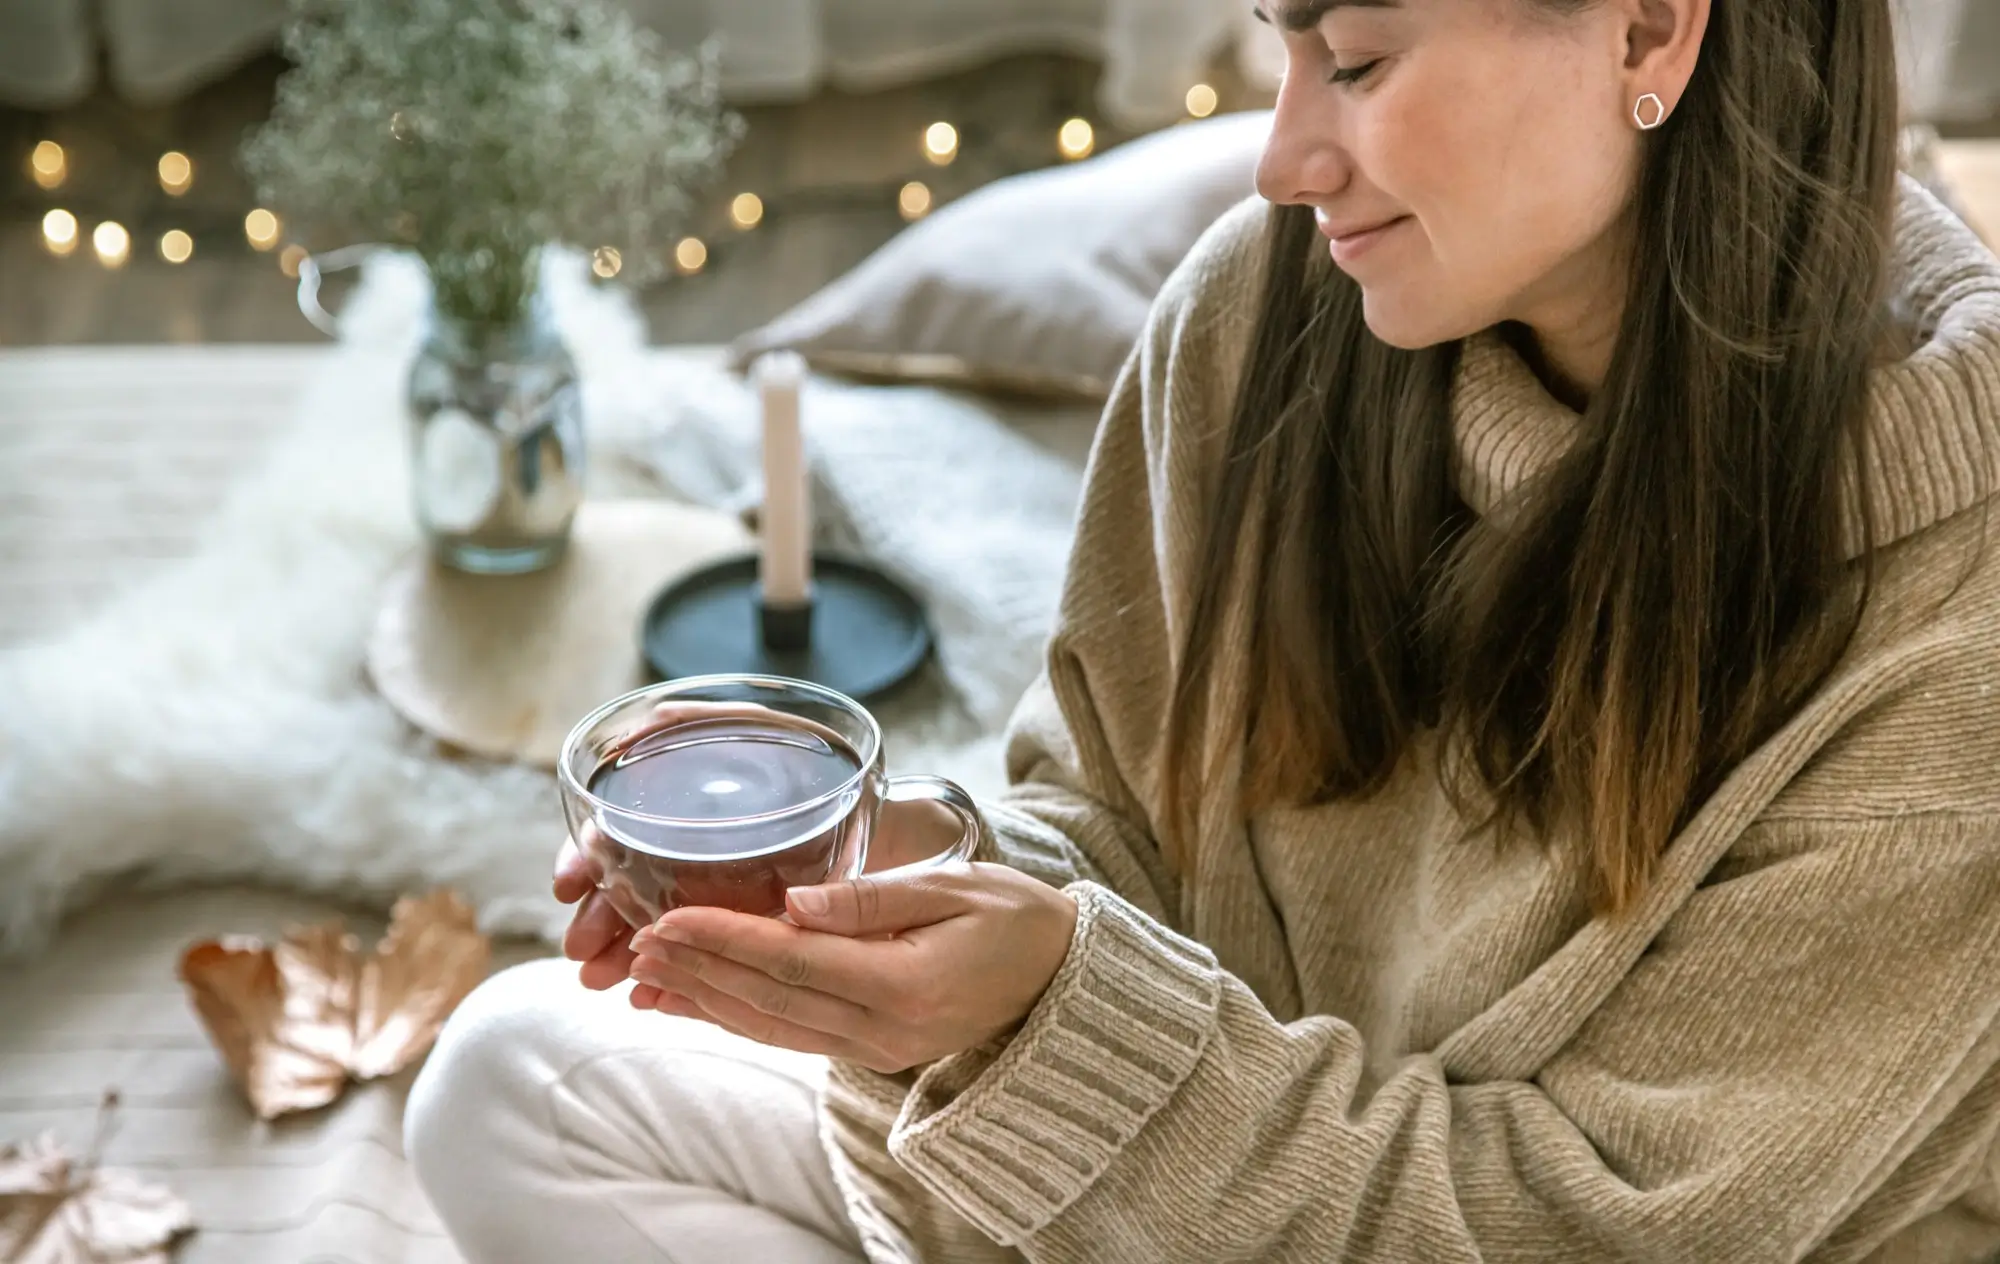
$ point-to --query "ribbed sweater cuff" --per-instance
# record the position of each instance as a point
(1011, 1142)
(1025, 842)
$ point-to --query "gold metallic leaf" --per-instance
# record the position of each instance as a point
(296, 1021)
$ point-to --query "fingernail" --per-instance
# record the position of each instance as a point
(810, 900)
(653, 940)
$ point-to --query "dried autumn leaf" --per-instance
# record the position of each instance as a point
(294, 1023)
(432, 956)
(242, 996)
(54, 1210)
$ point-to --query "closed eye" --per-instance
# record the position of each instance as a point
(1345, 75)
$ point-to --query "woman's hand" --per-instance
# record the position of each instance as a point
(600, 938)
(889, 971)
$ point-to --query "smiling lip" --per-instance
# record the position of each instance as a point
(1350, 243)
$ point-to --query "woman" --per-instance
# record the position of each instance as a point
(1514, 775)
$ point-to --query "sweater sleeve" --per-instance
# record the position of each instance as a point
(1787, 1041)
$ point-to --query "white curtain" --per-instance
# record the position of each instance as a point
(785, 49)
(773, 50)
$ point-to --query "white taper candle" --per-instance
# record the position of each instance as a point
(785, 568)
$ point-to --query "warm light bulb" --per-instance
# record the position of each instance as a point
(49, 165)
(747, 210)
(605, 261)
(914, 200)
(59, 232)
(261, 227)
(940, 143)
(176, 246)
(691, 254)
(176, 172)
(1201, 100)
(112, 243)
(1076, 139)
(290, 258)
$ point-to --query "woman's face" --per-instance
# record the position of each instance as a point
(1469, 161)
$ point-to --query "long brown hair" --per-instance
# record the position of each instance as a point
(1680, 585)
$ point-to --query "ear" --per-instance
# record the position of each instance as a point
(1662, 45)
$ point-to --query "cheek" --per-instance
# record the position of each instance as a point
(1560, 171)
(1507, 175)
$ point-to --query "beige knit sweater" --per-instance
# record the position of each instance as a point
(1346, 1037)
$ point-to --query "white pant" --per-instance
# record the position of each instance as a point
(555, 1124)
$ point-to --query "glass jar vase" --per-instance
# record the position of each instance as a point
(496, 441)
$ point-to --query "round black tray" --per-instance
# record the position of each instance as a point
(868, 632)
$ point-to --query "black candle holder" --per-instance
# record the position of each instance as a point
(862, 632)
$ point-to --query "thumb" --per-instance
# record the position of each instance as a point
(879, 904)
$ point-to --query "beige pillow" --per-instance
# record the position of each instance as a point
(1039, 283)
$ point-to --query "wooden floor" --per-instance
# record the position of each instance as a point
(828, 170)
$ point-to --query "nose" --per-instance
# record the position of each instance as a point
(1304, 161)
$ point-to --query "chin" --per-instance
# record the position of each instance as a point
(1411, 322)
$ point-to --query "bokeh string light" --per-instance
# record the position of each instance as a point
(941, 143)
(1201, 101)
(112, 243)
(1076, 139)
(48, 165)
(996, 154)
(59, 232)
(261, 227)
(176, 173)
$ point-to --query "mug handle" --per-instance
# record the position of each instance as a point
(920, 788)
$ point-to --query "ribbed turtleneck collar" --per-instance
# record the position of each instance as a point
(1934, 415)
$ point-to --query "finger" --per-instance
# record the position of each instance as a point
(607, 969)
(861, 971)
(798, 1006)
(595, 927)
(646, 996)
(883, 903)
(579, 864)
(573, 879)
(733, 1015)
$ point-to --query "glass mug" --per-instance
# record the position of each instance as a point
(727, 790)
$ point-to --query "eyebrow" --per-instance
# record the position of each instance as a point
(1304, 16)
